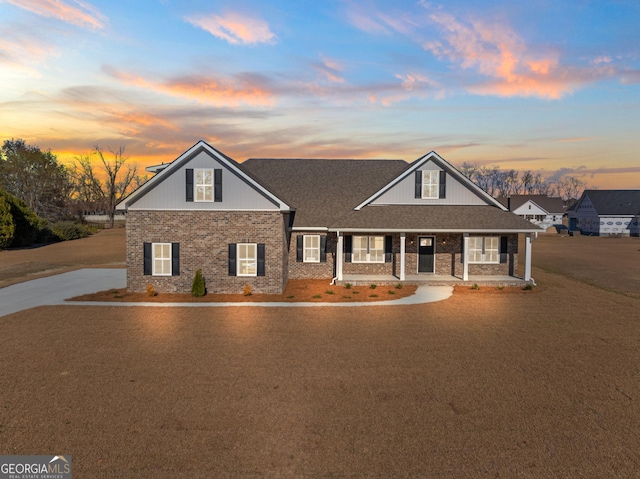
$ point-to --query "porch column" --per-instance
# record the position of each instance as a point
(339, 257)
(402, 255)
(527, 257)
(465, 257)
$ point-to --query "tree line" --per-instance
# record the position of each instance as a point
(38, 191)
(502, 183)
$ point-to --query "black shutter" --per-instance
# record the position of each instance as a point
(232, 259)
(260, 259)
(175, 259)
(300, 248)
(189, 184)
(418, 184)
(323, 249)
(443, 185)
(147, 269)
(348, 247)
(388, 247)
(217, 185)
(504, 246)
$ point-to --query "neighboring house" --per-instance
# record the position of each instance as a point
(266, 221)
(606, 212)
(541, 210)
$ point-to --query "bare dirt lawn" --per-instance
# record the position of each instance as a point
(489, 383)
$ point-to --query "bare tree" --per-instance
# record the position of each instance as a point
(118, 180)
(570, 188)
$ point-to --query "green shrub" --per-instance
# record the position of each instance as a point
(27, 226)
(69, 230)
(197, 289)
(475, 286)
(399, 286)
(7, 226)
(391, 292)
(347, 286)
(317, 296)
(373, 295)
(329, 291)
(372, 286)
(528, 287)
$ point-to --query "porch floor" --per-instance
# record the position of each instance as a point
(434, 280)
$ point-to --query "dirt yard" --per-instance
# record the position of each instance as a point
(489, 384)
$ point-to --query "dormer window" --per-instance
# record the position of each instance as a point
(204, 185)
(430, 185)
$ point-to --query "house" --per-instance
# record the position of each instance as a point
(606, 212)
(541, 210)
(266, 221)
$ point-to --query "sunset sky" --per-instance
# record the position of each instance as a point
(550, 86)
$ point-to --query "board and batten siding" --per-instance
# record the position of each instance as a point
(236, 193)
(403, 193)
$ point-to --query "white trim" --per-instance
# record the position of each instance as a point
(428, 231)
(153, 259)
(238, 259)
(465, 257)
(403, 238)
(527, 257)
(339, 256)
(310, 228)
(159, 177)
(446, 166)
(305, 248)
(275, 209)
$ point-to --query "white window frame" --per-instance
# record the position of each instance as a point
(162, 258)
(431, 182)
(246, 259)
(368, 252)
(487, 246)
(311, 248)
(199, 182)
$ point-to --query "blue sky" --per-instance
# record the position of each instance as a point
(542, 85)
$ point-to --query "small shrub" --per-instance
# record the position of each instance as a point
(391, 292)
(355, 292)
(348, 286)
(290, 297)
(197, 288)
(373, 295)
(328, 291)
(69, 230)
(151, 291)
(346, 297)
(372, 286)
(500, 288)
(399, 286)
(528, 287)
(247, 290)
(317, 296)
(475, 286)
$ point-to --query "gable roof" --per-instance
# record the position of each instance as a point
(614, 202)
(550, 204)
(188, 155)
(446, 166)
(320, 189)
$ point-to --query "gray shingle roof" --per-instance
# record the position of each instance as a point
(550, 204)
(615, 202)
(324, 193)
(433, 217)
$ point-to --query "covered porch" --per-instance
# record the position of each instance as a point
(451, 261)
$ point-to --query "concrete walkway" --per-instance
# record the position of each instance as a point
(53, 290)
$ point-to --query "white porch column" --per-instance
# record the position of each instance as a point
(402, 255)
(465, 257)
(527, 257)
(339, 257)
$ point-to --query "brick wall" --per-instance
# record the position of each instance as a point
(301, 270)
(204, 237)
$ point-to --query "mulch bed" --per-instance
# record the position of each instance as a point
(298, 290)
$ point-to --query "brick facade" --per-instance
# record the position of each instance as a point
(301, 270)
(204, 237)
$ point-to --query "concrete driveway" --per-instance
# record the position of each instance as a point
(55, 289)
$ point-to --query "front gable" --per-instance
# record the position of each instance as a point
(430, 180)
(222, 183)
(530, 208)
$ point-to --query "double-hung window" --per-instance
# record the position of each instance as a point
(430, 185)
(484, 249)
(368, 249)
(161, 259)
(311, 249)
(204, 185)
(247, 259)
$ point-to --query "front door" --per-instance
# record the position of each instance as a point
(426, 249)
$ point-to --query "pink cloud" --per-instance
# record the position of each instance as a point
(330, 69)
(242, 89)
(76, 12)
(234, 28)
(511, 66)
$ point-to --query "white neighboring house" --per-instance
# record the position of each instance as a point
(542, 210)
(606, 212)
